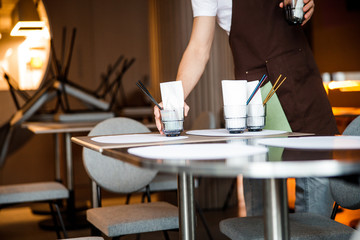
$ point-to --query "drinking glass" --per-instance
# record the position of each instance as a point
(235, 118)
(294, 13)
(172, 121)
(255, 117)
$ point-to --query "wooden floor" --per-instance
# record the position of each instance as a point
(20, 223)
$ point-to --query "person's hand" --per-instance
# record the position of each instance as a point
(157, 115)
(309, 7)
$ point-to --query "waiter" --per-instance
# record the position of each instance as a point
(262, 42)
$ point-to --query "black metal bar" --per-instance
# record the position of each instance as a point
(67, 66)
(63, 46)
(54, 220)
(334, 211)
(61, 220)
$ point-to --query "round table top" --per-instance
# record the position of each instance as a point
(276, 162)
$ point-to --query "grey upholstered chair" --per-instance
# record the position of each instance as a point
(205, 120)
(120, 177)
(353, 128)
(36, 192)
(303, 226)
(84, 238)
(346, 190)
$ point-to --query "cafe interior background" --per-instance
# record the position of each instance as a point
(154, 33)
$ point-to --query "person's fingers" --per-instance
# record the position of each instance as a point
(309, 7)
(157, 116)
(186, 109)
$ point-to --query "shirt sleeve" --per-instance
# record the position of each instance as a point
(204, 7)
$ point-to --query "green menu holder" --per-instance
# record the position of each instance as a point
(275, 116)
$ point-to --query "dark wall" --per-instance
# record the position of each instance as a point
(336, 34)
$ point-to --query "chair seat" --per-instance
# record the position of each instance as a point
(84, 238)
(30, 192)
(134, 218)
(303, 226)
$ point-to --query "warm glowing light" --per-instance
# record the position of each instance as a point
(8, 53)
(36, 62)
(31, 56)
(28, 28)
(345, 86)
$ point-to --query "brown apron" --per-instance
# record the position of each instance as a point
(263, 42)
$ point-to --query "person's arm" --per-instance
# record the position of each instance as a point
(309, 6)
(194, 59)
(197, 53)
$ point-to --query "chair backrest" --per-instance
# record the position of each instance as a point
(346, 190)
(112, 174)
(206, 120)
(353, 128)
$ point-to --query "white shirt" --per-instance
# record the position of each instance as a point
(222, 9)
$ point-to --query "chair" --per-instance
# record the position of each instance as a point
(84, 238)
(205, 120)
(36, 192)
(303, 226)
(346, 190)
(123, 178)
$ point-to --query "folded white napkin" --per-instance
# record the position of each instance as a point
(172, 94)
(234, 92)
(250, 88)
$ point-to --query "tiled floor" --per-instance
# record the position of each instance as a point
(20, 223)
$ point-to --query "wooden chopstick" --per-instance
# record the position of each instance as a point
(274, 88)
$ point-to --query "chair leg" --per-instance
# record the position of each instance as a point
(146, 194)
(229, 194)
(128, 196)
(62, 225)
(94, 231)
(203, 220)
(166, 235)
(54, 220)
(334, 211)
(61, 220)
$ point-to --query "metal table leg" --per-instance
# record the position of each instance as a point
(57, 157)
(69, 172)
(186, 206)
(276, 216)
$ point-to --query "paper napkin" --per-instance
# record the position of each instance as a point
(172, 94)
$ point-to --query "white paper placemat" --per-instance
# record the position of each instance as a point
(331, 142)
(209, 151)
(135, 138)
(222, 132)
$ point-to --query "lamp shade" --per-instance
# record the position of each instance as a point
(25, 19)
